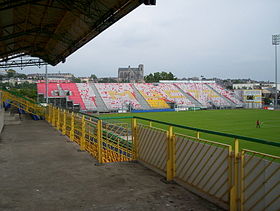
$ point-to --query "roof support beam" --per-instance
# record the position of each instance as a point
(53, 29)
(12, 43)
(14, 4)
(49, 6)
(22, 63)
(14, 51)
(59, 37)
(100, 25)
(18, 34)
(13, 57)
(11, 25)
(87, 11)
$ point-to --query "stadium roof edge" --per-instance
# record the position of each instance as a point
(53, 30)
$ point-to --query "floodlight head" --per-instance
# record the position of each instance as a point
(276, 39)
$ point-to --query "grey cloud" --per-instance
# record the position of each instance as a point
(217, 38)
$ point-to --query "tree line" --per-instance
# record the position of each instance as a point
(30, 89)
(158, 76)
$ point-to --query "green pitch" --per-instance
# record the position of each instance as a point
(238, 122)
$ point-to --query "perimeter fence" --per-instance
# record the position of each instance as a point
(226, 174)
(229, 175)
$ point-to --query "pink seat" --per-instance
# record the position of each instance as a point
(117, 95)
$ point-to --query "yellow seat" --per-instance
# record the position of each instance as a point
(157, 103)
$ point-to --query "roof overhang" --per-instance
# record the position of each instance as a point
(53, 29)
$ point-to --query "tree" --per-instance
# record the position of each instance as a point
(11, 73)
(93, 76)
(107, 80)
(156, 77)
(229, 87)
(25, 89)
(75, 80)
(267, 101)
(20, 75)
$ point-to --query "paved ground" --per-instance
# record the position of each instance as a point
(40, 170)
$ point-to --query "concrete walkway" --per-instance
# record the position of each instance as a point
(40, 170)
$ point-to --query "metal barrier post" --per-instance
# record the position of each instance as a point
(27, 106)
(99, 140)
(64, 123)
(170, 171)
(72, 131)
(242, 181)
(134, 138)
(58, 119)
(234, 188)
(49, 114)
(53, 116)
(230, 175)
(197, 135)
(83, 138)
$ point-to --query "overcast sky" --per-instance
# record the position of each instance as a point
(213, 38)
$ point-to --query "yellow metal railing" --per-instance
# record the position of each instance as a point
(107, 142)
(201, 165)
(259, 181)
(23, 103)
(228, 175)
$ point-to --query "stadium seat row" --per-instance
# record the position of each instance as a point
(122, 95)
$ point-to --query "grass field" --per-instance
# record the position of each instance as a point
(238, 122)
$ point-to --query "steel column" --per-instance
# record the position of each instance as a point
(170, 171)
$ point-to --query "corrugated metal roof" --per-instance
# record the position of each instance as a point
(54, 29)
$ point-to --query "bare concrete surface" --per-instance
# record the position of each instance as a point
(40, 170)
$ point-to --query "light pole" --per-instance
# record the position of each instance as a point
(275, 42)
(47, 85)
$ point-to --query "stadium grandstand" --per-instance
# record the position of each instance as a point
(230, 162)
(114, 97)
(225, 93)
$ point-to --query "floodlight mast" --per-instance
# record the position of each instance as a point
(275, 42)
(47, 85)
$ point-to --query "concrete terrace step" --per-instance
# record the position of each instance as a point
(40, 170)
(193, 100)
(140, 98)
(11, 118)
(101, 106)
(226, 99)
